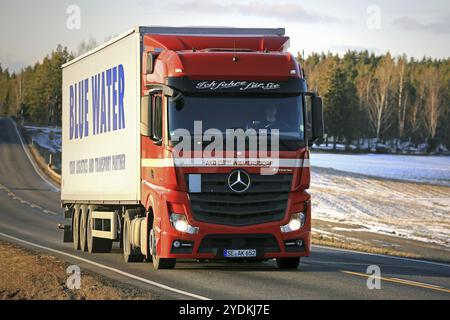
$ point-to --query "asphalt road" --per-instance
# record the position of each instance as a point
(30, 212)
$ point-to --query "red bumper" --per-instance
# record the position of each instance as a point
(267, 238)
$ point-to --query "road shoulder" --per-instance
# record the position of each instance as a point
(32, 275)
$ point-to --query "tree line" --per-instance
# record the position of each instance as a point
(365, 95)
(382, 97)
(35, 92)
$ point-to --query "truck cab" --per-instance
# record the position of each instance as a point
(222, 205)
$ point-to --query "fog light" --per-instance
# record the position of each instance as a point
(297, 221)
(180, 223)
(176, 244)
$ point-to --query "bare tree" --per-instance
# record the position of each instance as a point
(417, 105)
(433, 105)
(19, 92)
(86, 46)
(379, 111)
(401, 74)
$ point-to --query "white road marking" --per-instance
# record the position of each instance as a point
(32, 205)
(55, 188)
(99, 265)
(385, 256)
(49, 212)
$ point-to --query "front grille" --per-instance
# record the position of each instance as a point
(264, 201)
(215, 243)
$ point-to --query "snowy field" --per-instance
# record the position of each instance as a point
(430, 169)
(403, 209)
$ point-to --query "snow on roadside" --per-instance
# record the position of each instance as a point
(48, 138)
(408, 210)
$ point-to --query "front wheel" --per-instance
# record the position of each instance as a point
(288, 263)
(159, 263)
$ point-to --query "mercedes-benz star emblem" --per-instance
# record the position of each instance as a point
(239, 181)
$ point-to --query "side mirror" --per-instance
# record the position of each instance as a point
(317, 118)
(150, 63)
(146, 116)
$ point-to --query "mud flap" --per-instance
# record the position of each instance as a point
(67, 233)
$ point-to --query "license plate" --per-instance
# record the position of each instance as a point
(243, 253)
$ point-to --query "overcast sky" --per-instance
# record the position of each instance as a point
(30, 29)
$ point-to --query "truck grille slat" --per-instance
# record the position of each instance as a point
(240, 199)
(265, 200)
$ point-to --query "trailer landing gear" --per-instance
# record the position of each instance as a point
(95, 244)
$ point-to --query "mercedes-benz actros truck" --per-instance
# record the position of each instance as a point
(128, 107)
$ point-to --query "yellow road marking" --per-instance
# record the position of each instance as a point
(401, 281)
(421, 283)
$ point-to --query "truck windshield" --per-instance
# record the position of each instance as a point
(222, 113)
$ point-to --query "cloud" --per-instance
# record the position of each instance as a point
(283, 11)
(441, 26)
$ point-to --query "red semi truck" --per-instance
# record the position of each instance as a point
(130, 104)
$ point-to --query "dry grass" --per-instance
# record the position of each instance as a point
(36, 276)
(332, 242)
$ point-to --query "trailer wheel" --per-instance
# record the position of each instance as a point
(160, 263)
(83, 227)
(288, 263)
(76, 226)
(130, 254)
(94, 244)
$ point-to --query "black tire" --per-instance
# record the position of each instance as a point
(148, 257)
(130, 254)
(94, 244)
(161, 263)
(288, 263)
(76, 227)
(83, 227)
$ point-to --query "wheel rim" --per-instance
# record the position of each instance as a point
(126, 245)
(83, 231)
(76, 233)
(152, 244)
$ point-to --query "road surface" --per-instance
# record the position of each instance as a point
(30, 212)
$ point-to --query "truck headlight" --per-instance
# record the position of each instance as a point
(297, 221)
(180, 223)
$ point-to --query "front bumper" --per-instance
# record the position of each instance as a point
(212, 245)
(212, 239)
